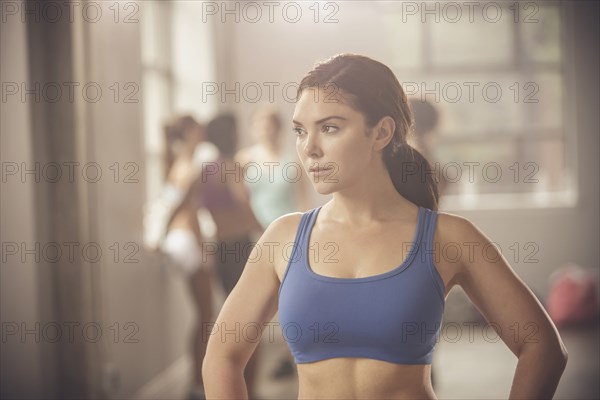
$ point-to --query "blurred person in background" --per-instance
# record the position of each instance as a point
(425, 136)
(223, 193)
(183, 240)
(276, 182)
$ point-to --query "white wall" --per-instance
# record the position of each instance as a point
(141, 293)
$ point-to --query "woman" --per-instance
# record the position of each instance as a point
(361, 298)
(183, 240)
(271, 172)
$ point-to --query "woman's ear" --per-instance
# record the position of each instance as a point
(384, 132)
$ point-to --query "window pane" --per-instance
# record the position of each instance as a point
(404, 40)
(471, 104)
(155, 34)
(547, 166)
(472, 43)
(480, 167)
(542, 100)
(541, 36)
(156, 110)
(192, 51)
(503, 166)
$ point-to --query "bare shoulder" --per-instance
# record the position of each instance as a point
(286, 222)
(451, 242)
(279, 236)
(460, 230)
(284, 228)
(452, 227)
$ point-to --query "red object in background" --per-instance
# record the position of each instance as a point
(573, 297)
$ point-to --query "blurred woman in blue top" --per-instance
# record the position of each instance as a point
(276, 182)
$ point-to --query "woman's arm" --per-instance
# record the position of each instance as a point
(510, 307)
(252, 303)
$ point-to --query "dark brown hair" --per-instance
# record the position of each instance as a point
(175, 130)
(222, 132)
(373, 89)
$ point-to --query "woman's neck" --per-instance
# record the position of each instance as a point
(369, 200)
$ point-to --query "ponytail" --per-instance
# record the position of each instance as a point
(411, 175)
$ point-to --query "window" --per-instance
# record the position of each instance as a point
(495, 74)
(157, 84)
(177, 58)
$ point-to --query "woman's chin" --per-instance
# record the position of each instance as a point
(324, 188)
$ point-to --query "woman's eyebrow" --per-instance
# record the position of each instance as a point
(323, 119)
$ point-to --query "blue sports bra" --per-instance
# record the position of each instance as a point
(395, 316)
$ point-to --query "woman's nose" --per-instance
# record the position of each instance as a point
(312, 146)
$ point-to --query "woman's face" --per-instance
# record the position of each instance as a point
(332, 135)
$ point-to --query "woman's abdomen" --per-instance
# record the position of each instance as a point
(364, 379)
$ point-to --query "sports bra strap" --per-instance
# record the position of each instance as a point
(301, 240)
(426, 245)
(430, 225)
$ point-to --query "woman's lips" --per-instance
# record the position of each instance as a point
(320, 171)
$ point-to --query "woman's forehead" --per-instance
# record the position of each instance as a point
(314, 104)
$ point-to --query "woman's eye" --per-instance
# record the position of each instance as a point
(297, 131)
(327, 130)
